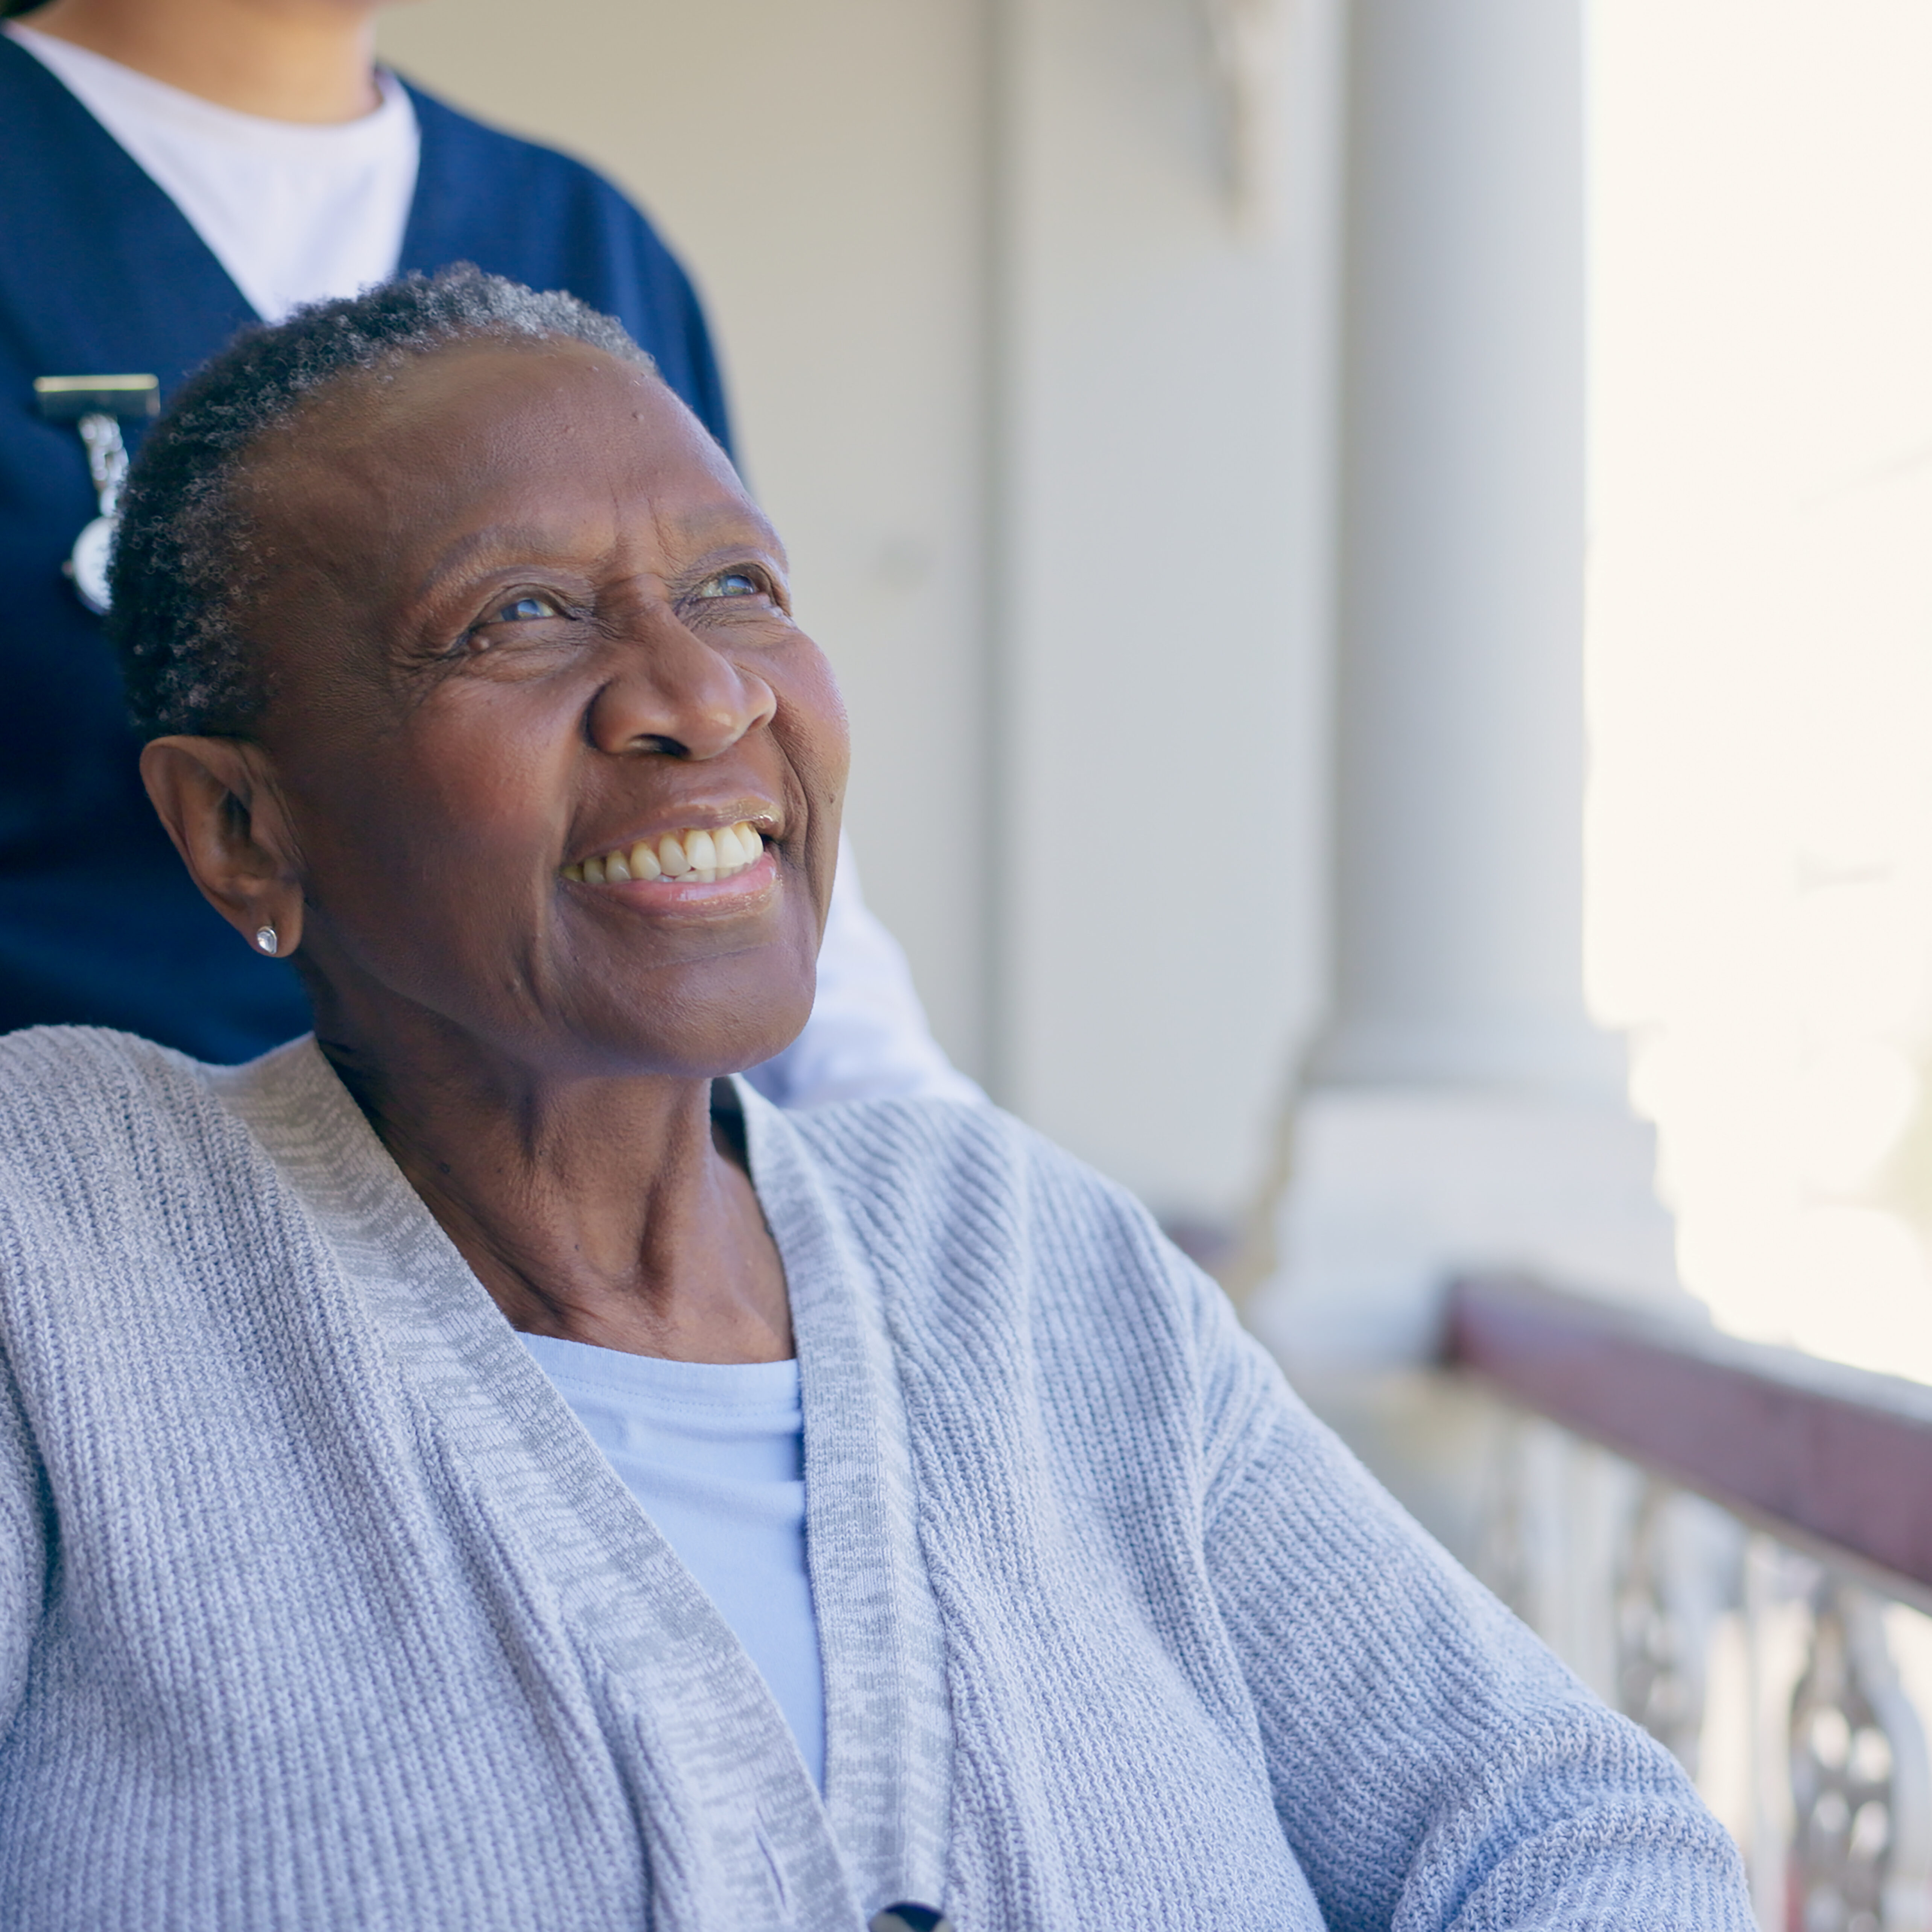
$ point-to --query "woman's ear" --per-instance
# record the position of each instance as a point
(215, 796)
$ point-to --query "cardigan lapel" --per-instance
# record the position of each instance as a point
(735, 1832)
(462, 208)
(888, 1721)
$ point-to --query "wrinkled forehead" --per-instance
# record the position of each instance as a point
(379, 468)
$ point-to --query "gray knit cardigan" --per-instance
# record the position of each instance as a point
(318, 1609)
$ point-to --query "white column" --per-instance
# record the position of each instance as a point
(1459, 774)
(1461, 1109)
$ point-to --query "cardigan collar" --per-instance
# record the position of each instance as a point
(728, 1808)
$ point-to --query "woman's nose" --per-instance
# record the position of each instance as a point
(669, 692)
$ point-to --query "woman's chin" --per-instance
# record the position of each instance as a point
(698, 1037)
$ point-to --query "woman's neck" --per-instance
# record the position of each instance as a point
(606, 1210)
(310, 61)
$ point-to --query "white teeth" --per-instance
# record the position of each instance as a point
(698, 856)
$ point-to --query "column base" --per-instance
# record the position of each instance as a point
(1394, 1190)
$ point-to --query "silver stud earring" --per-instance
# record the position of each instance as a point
(266, 940)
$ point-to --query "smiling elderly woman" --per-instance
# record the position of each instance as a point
(982, 1566)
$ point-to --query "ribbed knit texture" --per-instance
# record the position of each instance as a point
(318, 1609)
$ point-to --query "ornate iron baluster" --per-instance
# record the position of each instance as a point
(1659, 1659)
(1861, 1845)
(1503, 1557)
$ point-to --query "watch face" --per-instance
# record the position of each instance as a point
(87, 566)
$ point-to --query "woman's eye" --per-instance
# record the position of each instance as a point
(522, 609)
(731, 583)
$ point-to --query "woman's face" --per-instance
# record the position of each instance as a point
(522, 627)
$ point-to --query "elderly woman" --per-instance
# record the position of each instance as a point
(983, 1566)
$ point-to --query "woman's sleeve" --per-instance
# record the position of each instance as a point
(1433, 1764)
(24, 1545)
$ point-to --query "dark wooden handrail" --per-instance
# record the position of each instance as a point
(1834, 1457)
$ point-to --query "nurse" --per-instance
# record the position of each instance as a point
(176, 170)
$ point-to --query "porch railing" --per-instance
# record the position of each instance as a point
(1760, 1639)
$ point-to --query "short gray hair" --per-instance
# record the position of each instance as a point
(183, 559)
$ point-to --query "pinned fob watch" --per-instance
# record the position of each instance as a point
(97, 406)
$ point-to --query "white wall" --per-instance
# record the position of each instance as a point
(1046, 431)
(1164, 503)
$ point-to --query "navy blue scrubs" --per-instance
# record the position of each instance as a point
(100, 274)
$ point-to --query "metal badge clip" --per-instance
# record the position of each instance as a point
(98, 405)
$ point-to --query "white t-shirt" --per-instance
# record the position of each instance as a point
(295, 213)
(299, 214)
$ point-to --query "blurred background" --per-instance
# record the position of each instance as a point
(1377, 552)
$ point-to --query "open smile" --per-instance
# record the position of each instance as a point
(695, 855)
